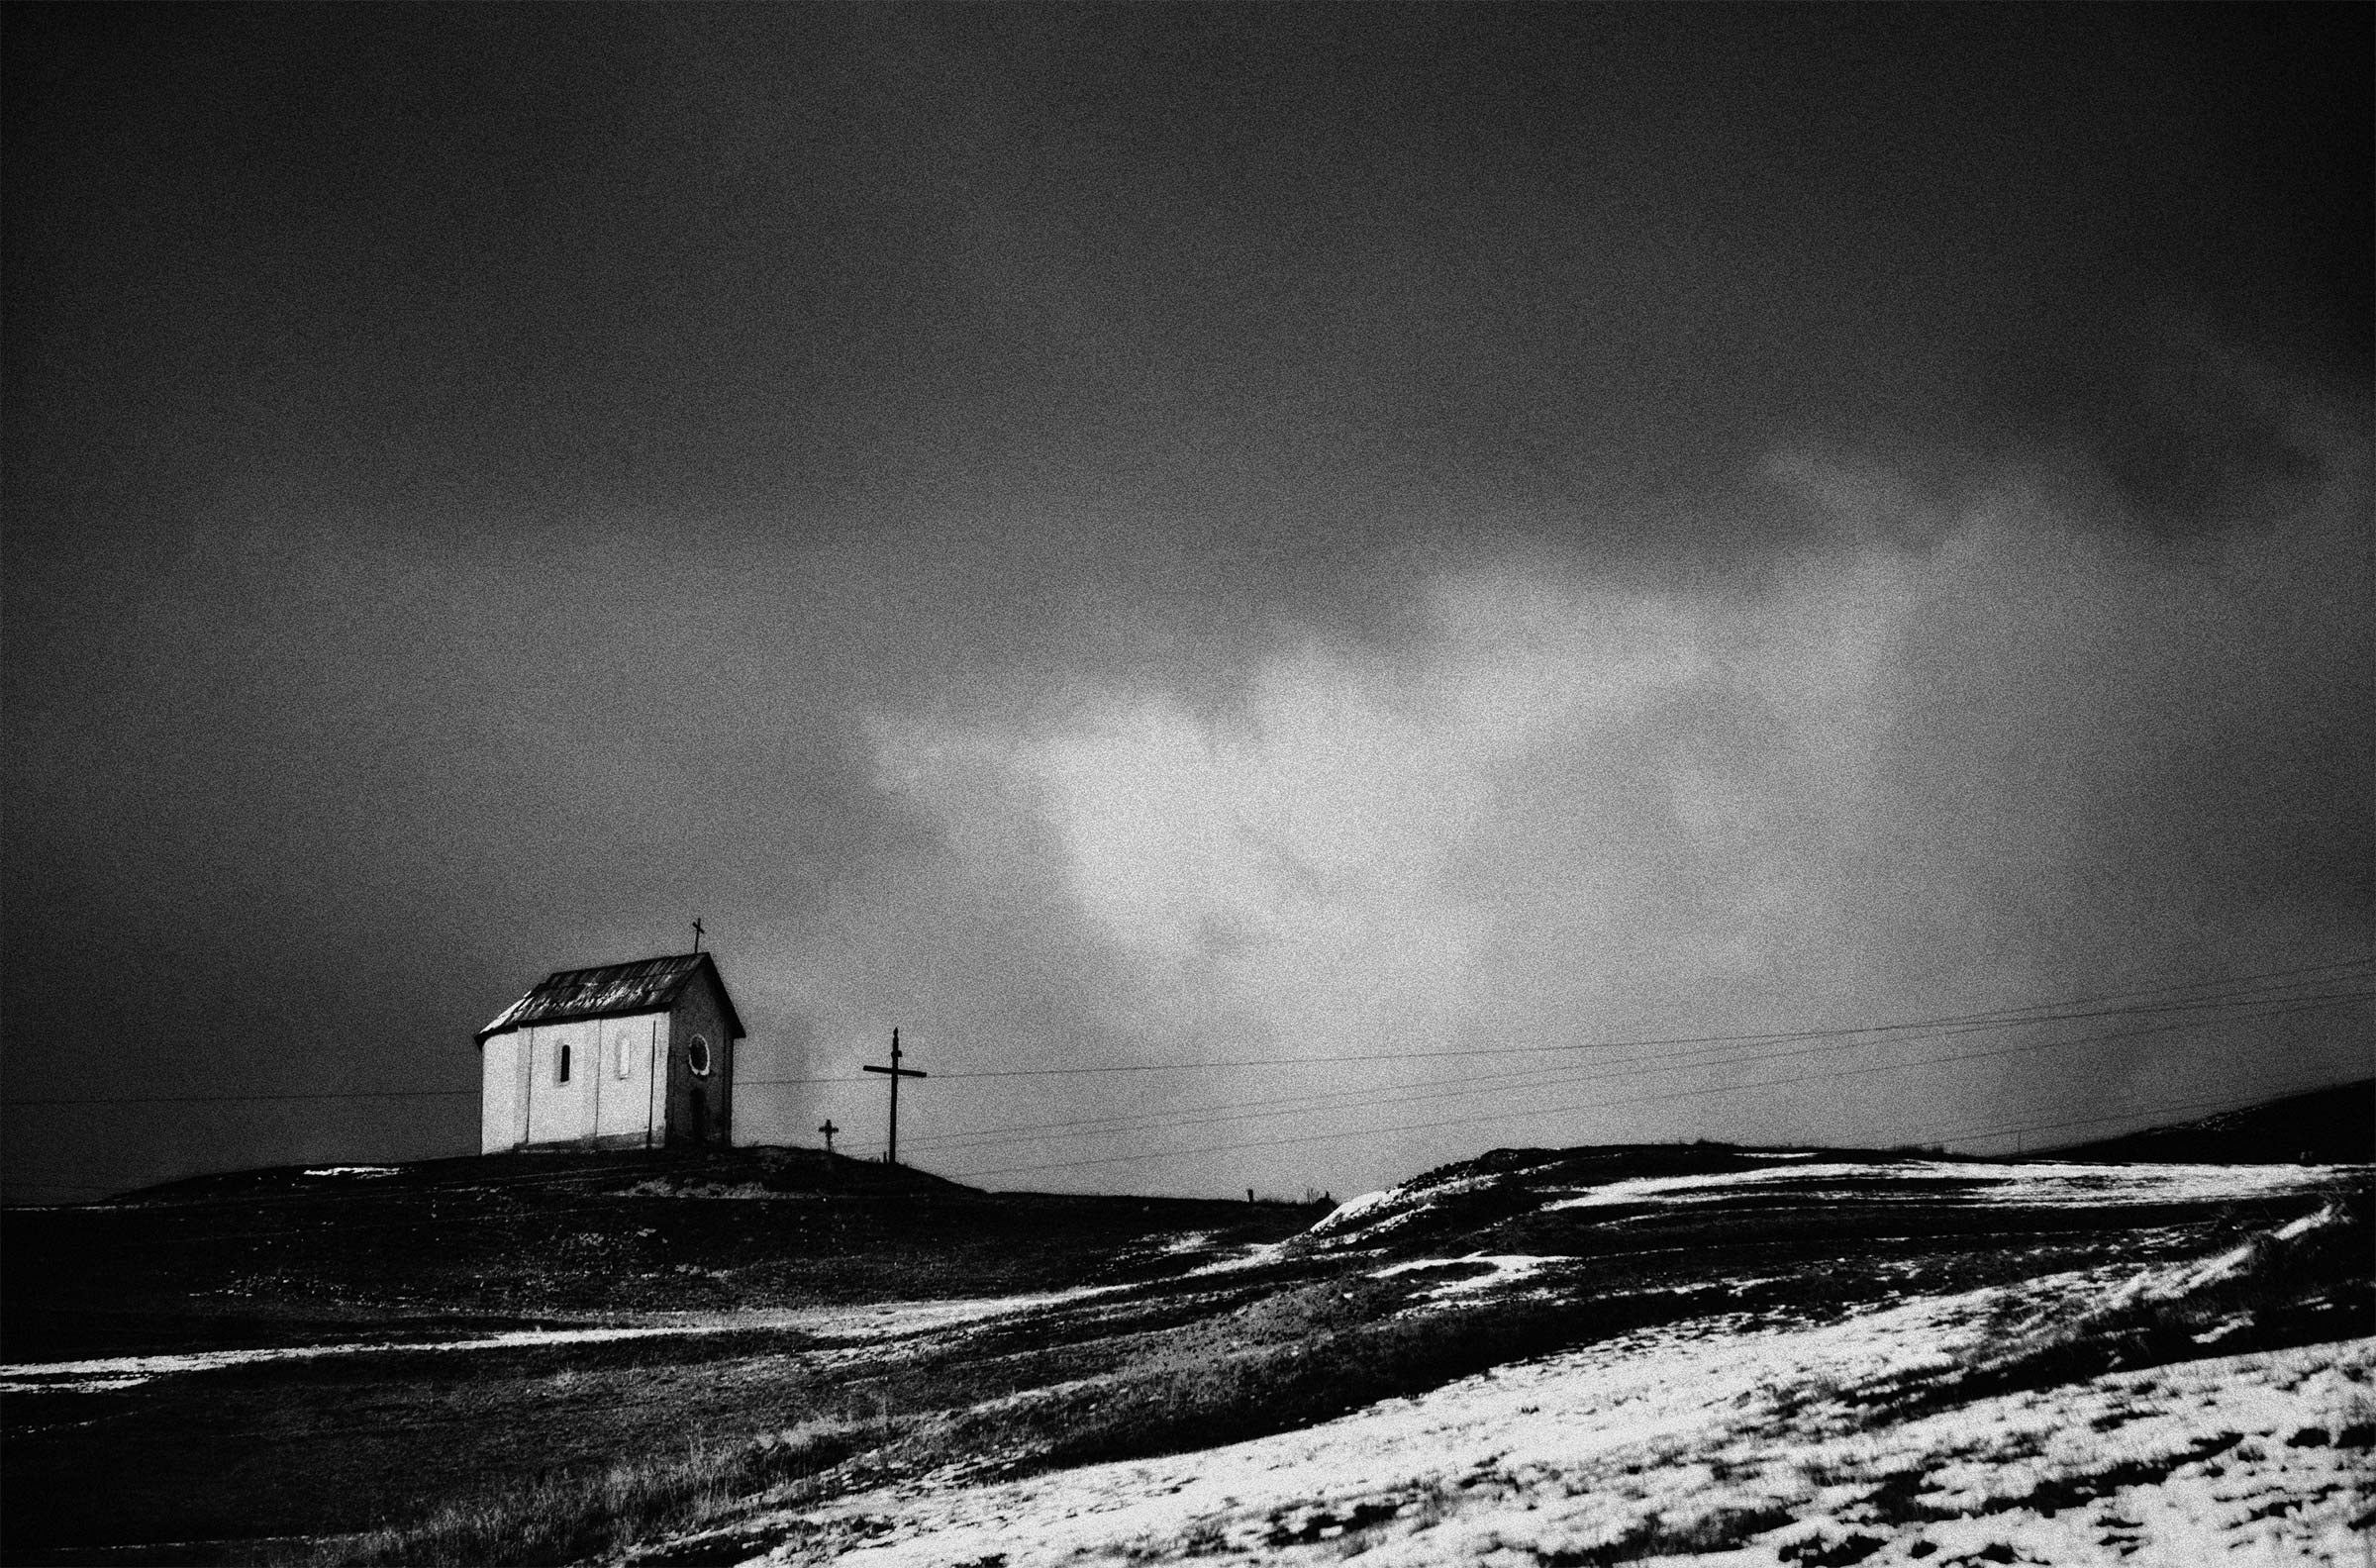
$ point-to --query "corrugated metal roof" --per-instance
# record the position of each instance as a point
(647, 985)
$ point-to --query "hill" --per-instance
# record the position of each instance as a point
(2330, 1127)
(327, 1254)
(1586, 1355)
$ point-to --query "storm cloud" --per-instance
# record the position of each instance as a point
(1112, 537)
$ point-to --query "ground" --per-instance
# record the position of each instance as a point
(1580, 1356)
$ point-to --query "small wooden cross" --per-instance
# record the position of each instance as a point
(697, 935)
(829, 1130)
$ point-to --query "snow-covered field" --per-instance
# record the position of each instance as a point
(1688, 1354)
(1930, 1183)
(1727, 1443)
(1737, 1439)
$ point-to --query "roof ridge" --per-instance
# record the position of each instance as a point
(633, 985)
(628, 963)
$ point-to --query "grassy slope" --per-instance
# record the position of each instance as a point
(272, 1257)
(1320, 1332)
(546, 1453)
(452, 1247)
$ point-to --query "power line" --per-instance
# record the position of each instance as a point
(1535, 1111)
(1776, 1037)
(2223, 1102)
(1396, 1094)
(1246, 1111)
(2032, 1011)
(2239, 1004)
(356, 1094)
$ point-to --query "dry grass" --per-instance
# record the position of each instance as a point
(1302, 1356)
(565, 1516)
(2280, 1290)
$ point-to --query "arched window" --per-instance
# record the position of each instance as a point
(561, 1064)
(619, 1046)
(697, 1057)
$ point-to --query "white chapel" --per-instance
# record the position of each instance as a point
(628, 1055)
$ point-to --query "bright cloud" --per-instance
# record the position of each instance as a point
(1883, 780)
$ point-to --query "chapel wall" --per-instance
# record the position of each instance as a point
(700, 1012)
(628, 1107)
(502, 1101)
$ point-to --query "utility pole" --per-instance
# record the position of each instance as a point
(829, 1130)
(895, 1072)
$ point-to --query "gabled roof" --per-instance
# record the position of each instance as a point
(649, 985)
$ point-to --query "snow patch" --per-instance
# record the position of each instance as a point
(1253, 1254)
(2036, 1186)
(1353, 1210)
(1507, 1268)
(113, 1372)
(2177, 1280)
(2331, 1215)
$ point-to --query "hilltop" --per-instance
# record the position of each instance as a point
(327, 1254)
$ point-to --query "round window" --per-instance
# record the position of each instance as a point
(697, 1055)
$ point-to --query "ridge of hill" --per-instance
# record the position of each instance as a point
(586, 1171)
(2332, 1126)
(354, 1254)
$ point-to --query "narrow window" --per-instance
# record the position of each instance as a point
(618, 1048)
(697, 1057)
(562, 1065)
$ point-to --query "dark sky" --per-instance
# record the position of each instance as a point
(1113, 537)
